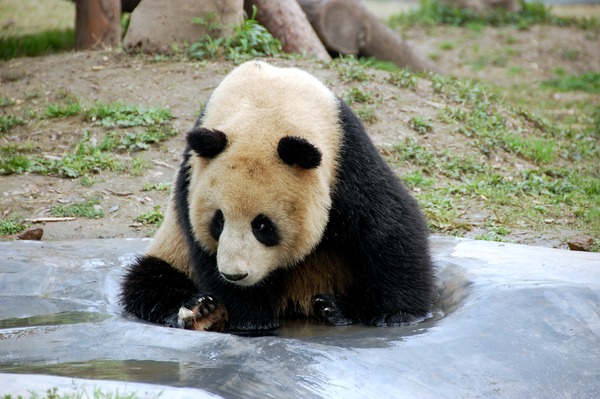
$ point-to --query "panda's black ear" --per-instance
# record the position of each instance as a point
(207, 143)
(298, 151)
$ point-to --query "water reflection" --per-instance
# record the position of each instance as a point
(53, 319)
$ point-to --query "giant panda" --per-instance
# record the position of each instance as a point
(282, 207)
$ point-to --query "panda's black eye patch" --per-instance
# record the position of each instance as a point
(265, 231)
(216, 224)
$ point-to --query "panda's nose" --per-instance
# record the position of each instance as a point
(234, 277)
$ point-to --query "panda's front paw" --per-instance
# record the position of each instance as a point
(327, 311)
(203, 313)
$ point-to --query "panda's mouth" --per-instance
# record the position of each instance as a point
(234, 278)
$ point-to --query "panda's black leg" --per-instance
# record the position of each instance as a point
(328, 310)
(154, 290)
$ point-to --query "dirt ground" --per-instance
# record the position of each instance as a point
(182, 86)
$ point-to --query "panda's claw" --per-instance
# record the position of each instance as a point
(327, 311)
(202, 312)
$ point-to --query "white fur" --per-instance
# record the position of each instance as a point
(184, 317)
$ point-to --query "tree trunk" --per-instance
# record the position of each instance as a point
(97, 24)
(286, 21)
(347, 27)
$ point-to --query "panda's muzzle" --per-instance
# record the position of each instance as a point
(234, 277)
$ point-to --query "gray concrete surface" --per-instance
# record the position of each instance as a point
(512, 321)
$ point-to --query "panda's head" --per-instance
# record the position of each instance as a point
(262, 170)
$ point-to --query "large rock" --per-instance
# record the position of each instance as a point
(156, 25)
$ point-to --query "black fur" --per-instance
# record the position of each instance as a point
(298, 151)
(217, 224)
(374, 226)
(378, 228)
(265, 231)
(154, 290)
(207, 143)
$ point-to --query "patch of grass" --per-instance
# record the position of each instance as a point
(490, 235)
(414, 153)
(434, 56)
(475, 26)
(514, 70)
(86, 158)
(208, 22)
(122, 115)
(595, 125)
(480, 116)
(434, 12)
(356, 95)
(538, 149)
(570, 54)
(134, 141)
(250, 40)
(588, 82)
(7, 102)
(86, 209)
(164, 187)
(546, 187)
(417, 179)
(138, 165)
(34, 45)
(479, 63)
(154, 217)
(447, 45)
(7, 122)
(87, 181)
(69, 107)
(403, 78)
(463, 91)
(367, 114)
(11, 226)
(14, 163)
(420, 124)
(351, 69)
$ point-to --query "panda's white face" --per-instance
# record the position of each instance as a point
(253, 201)
(256, 214)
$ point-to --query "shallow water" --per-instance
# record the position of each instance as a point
(511, 321)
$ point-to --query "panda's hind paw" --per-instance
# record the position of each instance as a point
(204, 313)
(327, 311)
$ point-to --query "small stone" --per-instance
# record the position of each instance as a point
(34, 234)
(113, 209)
(580, 244)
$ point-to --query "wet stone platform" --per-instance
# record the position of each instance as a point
(512, 321)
